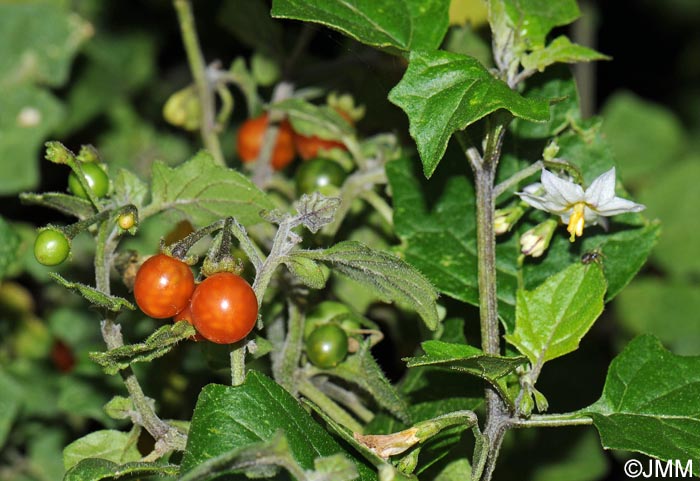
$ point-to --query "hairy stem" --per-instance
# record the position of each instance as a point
(199, 72)
(284, 371)
(484, 176)
(145, 416)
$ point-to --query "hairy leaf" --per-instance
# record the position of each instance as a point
(390, 277)
(158, 344)
(468, 359)
(551, 320)
(316, 210)
(362, 370)
(651, 403)
(68, 204)
(306, 270)
(93, 469)
(401, 24)
(203, 192)
(92, 295)
(443, 92)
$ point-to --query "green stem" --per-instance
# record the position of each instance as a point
(238, 363)
(553, 421)
(199, 72)
(335, 412)
(288, 362)
(484, 176)
(517, 178)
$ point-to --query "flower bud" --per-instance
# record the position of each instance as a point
(183, 109)
(505, 219)
(550, 152)
(535, 241)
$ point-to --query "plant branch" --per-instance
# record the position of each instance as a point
(517, 178)
(107, 241)
(552, 421)
(497, 415)
(199, 72)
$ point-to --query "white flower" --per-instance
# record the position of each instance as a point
(576, 207)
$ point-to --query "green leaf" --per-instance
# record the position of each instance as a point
(390, 277)
(158, 344)
(306, 270)
(673, 197)
(435, 220)
(468, 359)
(10, 402)
(234, 417)
(552, 319)
(662, 307)
(650, 403)
(264, 458)
(106, 444)
(250, 23)
(93, 469)
(68, 204)
(92, 295)
(556, 84)
(309, 119)
(402, 24)
(362, 370)
(560, 50)
(443, 92)
(28, 115)
(129, 189)
(37, 42)
(529, 21)
(9, 245)
(643, 136)
(203, 192)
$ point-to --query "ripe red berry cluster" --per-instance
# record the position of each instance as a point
(223, 308)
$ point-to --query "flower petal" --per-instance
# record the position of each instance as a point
(602, 189)
(618, 205)
(543, 203)
(561, 191)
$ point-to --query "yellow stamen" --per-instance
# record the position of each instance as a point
(576, 221)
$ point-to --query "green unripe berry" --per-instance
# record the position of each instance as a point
(327, 346)
(96, 178)
(51, 247)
